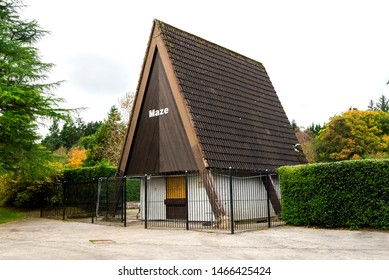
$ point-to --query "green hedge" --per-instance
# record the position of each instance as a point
(133, 189)
(351, 194)
(85, 174)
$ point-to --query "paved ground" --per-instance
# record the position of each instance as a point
(38, 238)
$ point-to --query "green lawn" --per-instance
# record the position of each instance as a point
(8, 215)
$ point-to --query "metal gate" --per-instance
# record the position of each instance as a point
(99, 200)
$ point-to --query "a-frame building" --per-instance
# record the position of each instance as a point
(201, 106)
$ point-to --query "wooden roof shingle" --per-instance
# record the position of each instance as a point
(236, 112)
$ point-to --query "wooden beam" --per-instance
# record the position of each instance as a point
(209, 185)
(273, 197)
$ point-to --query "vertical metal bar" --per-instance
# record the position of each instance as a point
(261, 193)
(94, 206)
(231, 203)
(64, 201)
(186, 201)
(42, 199)
(121, 188)
(125, 200)
(91, 204)
(267, 186)
(145, 201)
(106, 199)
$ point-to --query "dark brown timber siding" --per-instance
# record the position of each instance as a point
(160, 143)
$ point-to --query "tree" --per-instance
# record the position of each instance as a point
(106, 143)
(91, 127)
(371, 105)
(126, 104)
(353, 135)
(294, 124)
(305, 139)
(25, 99)
(381, 105)
(53, 141)
(70, 134)
(315, 128)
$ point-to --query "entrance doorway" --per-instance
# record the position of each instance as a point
(175, 198)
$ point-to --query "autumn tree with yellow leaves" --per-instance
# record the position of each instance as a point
(354, 134)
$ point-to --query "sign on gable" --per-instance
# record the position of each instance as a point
(158, 112)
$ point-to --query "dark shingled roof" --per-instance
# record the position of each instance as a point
(238, 118)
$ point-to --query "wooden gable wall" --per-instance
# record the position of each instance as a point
(160, 143)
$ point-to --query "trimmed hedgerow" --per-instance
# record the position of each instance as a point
(133, 189)
(351, 194)
(86, 174)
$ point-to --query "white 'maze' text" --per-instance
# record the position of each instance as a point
(158, 112)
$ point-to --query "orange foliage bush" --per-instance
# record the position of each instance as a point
(76, 158)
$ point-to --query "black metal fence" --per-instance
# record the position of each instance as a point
(103, 199)
(212, 200)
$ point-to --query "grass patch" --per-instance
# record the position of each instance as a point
(9, 215)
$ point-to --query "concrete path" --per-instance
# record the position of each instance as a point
(38, 238)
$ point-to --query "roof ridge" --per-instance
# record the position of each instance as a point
(217, 46)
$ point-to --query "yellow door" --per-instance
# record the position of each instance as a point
(175, 198)
(175, 187)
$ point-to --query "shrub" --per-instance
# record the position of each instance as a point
(25, 189)
(350, 194)
(85, 174)
(77, 156)
(133, 189)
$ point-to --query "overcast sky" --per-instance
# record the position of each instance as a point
(322, 57)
